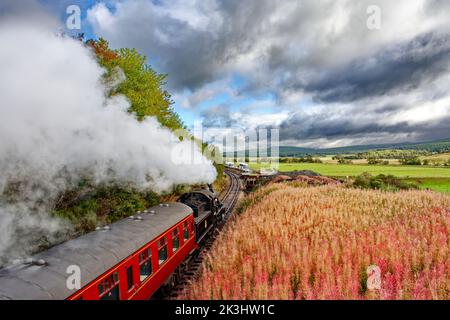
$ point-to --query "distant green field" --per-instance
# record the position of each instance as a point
(343, 170)
(436, 184)
(434, 178)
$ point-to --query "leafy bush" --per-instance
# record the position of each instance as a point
(410, 161)
(307, 159)
(344, 161)
(382, 182)
(392, 154)
(373, 161)
(86, 208)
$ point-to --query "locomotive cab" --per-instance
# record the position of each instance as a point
(207, 210)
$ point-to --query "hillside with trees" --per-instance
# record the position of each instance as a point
(128, 74)
(418, 149)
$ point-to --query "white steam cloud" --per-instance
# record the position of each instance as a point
(57, 125)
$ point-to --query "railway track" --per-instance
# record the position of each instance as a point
(231, 197)
(192, 268)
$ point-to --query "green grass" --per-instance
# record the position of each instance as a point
(343, 170)
(103, 205)
(434, 178)
(435, 184)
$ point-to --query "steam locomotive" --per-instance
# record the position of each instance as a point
(128, 260)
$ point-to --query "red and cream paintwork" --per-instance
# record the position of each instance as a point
(160, 272)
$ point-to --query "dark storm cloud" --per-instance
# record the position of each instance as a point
(14, 7)
(311, 128)
(192, 56)
(196, 55)
(25, 9)
(319, 51)
(307, 127)
(309, 55)
(218, 117)
(404, 67)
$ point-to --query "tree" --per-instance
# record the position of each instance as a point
(410, 161)
(142, 85)
(373, 161)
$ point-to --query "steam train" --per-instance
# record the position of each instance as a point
(131, 259)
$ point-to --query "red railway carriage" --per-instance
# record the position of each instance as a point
(130, 259)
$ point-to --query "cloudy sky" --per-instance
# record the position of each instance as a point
(312, 68)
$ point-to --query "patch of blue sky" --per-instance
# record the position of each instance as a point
(187, 116)
(221, 98)
(238, 82)
(59, 8)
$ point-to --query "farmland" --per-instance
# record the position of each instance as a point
(435, 184)
(439, 158)
(318, 243)
(343, 170)
(426, 177)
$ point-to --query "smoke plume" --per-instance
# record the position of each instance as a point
(58, 125)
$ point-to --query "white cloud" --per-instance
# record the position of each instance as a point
(304, 52)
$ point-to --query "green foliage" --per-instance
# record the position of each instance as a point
(354, 152)
(143, 86)
(410, 161)
(104, 205)
(435, 184)
(334, 170)
(382, 182)
(373, 161)
(393, 154)
(306, 159)
(345, 157)
(343, 160)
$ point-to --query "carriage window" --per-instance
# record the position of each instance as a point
(109, 287)
(130, 278)
(162, 250)
(175, 240)
(185, 230)
(145, 263)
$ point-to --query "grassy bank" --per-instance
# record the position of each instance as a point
(435, 184)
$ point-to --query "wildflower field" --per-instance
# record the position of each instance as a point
(325, 242)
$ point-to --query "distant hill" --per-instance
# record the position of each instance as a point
(438, 146)
(432, 146)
